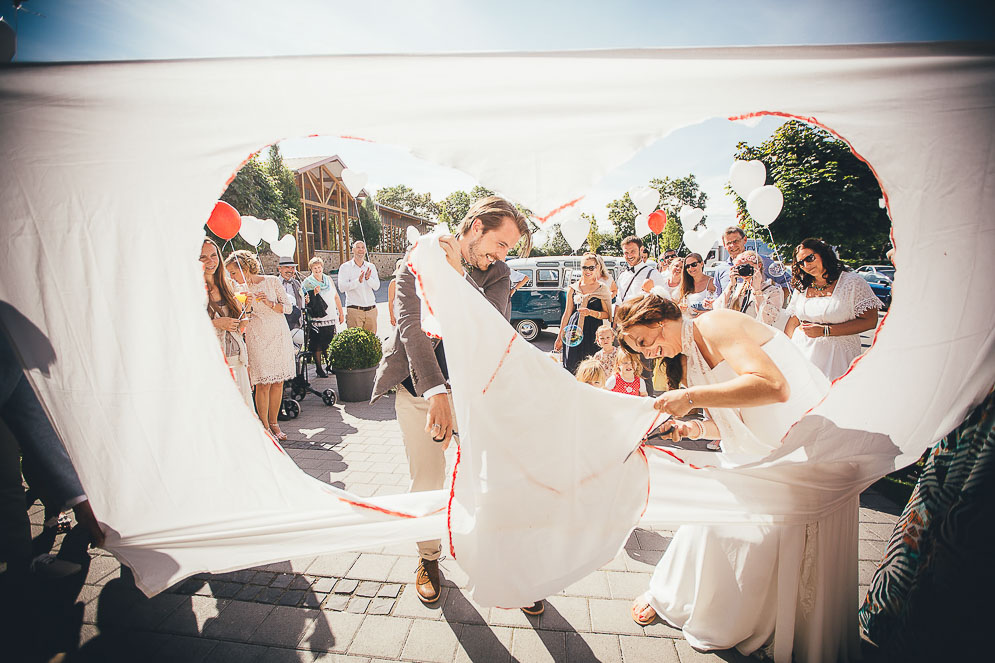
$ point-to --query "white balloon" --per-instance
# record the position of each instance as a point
(702, 240)
(251, 230)
(746, 176)
(643, 225)
(285, 247)
(354, 181)
(575, 231)
(765, 204)
(644, 198)
(269, 231)
(413, 235)
(605, 225)
(690, 216)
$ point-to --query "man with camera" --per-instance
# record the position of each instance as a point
(750, 293)
(734, 242)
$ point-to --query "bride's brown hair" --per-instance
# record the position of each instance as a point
(648, 310)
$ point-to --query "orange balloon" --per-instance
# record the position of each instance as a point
(225, 220)
(657, 221)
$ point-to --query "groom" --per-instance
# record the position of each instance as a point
(416, 364)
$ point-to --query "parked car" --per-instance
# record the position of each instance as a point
(540, 303)
(880, 285)
(886, 271)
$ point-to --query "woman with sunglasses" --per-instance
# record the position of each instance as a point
(830, 308)
(697, 288)
(588, 306)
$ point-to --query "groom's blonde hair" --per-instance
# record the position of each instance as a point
(492, 211)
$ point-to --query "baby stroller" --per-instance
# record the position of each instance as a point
(300, 386)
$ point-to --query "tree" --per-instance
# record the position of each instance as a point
(622, 214)
(403, 198)
(285, 182)
(369, 231)
(673, 195)
(828, 193)
(265, 191)
(453, 208)
(597, 241)
(556, 244)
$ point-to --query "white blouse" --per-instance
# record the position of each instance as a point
(851, 297)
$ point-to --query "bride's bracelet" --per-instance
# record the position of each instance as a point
(699, 430)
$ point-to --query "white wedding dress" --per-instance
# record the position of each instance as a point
(788, 588)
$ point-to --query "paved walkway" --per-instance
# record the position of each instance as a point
(362, 606)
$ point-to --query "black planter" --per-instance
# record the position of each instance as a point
(355, 385)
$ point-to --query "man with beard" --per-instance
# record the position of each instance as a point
(416, 364)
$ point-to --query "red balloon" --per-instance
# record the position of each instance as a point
(657, 221)
(225, 220)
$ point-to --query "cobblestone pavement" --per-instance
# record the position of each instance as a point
(362, 606)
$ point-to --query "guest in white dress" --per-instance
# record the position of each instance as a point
(831, 307)
(787, 588)
(697, 288)
(267, 336)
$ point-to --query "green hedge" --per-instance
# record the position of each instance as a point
(354, 348)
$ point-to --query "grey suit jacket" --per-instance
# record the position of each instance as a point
(409, 352)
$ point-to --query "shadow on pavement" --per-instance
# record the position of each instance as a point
(252, 622)
(477, 639)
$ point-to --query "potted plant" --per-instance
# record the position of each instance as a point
(354, 354)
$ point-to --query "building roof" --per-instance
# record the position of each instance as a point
(419, 219)
(300, 164)
(335, 165)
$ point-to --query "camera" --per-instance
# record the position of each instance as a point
(745, 270)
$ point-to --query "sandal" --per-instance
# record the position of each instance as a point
(535, 609)
(277, 433)
(642, 604)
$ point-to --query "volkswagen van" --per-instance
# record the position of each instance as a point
(541, 301)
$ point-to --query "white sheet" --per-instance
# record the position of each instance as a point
(112, 168)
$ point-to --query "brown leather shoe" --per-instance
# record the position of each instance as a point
(535, 609)
(427, 580)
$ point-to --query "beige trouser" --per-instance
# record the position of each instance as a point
(365, 319)
(426, 459)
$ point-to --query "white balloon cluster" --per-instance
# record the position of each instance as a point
(698, 236)
(764, 203)
(255, 230)
(645, 199)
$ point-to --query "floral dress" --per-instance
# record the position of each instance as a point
(267, 336)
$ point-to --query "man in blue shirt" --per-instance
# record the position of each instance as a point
(734, 242)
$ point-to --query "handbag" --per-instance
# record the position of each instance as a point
(316, 306)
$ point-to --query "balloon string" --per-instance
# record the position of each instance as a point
(773, 246)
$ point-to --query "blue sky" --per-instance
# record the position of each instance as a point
(156, 29)
(81, 30)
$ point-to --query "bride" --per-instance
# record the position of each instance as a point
(786, 588)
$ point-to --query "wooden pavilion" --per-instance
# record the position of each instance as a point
(327, 205)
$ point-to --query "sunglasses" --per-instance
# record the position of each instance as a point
(691, 264)
(588, 268)
(807, 259)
